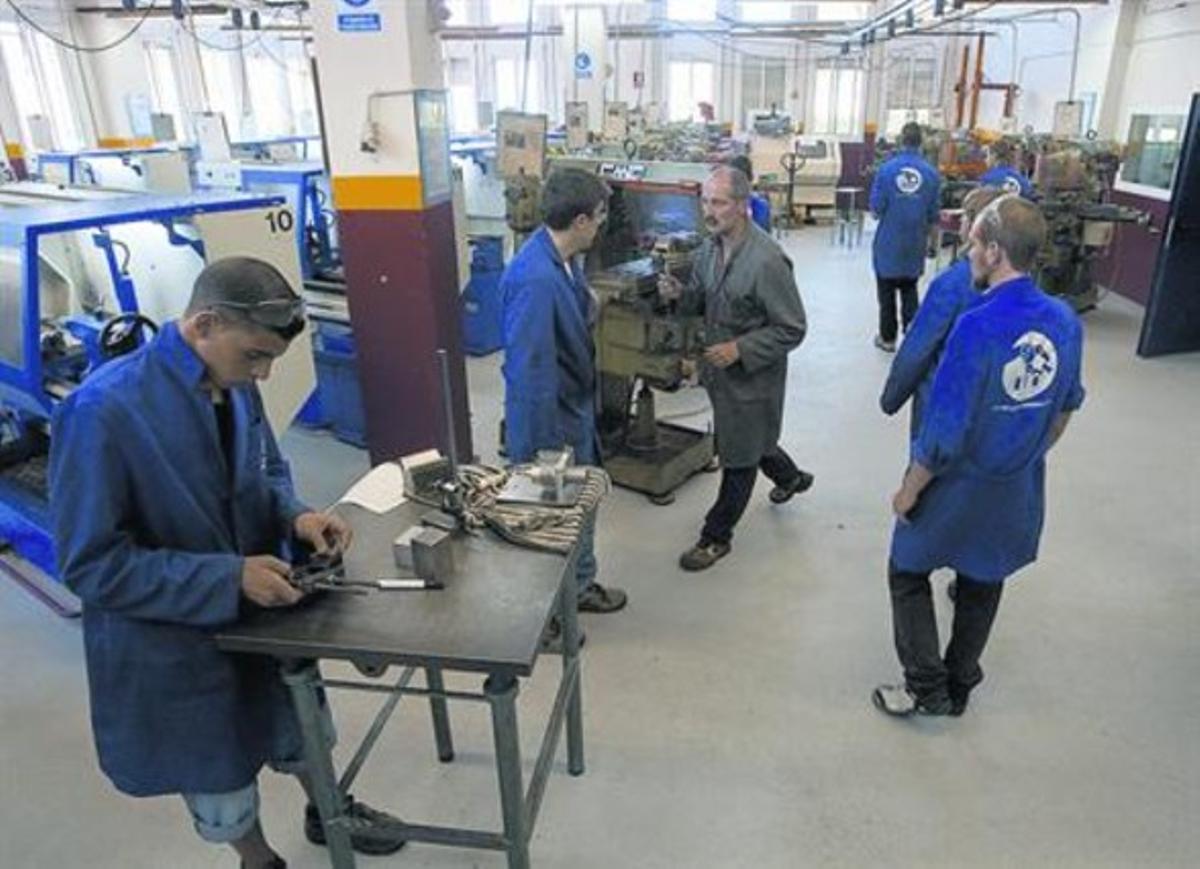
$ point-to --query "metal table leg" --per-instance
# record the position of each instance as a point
(501, 693)
(569, 616)
(441, 714)
(303, 680)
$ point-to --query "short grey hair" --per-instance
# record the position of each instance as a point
(739, 184)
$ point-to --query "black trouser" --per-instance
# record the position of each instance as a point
(930, 676)
(736, 486)
(887, 289)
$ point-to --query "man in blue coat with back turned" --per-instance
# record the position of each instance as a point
(1003, 174)
(973, 497)
(904, 199)
(950, 294)
(172, 511)
(549, 353)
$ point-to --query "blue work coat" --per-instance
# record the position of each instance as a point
(1011, 366)
(549, 355)
(151, 528)
(760, 211)
(1009, 179)
(905, 197)
(949, 294)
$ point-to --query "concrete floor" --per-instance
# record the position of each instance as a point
(727, 714)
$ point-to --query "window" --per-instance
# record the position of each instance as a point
(508, 86)
(1154, 145)
(843, 11)
(54, 83)
(33, 64)
(838, 100)
(911, 81)
(764, 11)
(24, 85)
(221, 88)
(301, 91)
(507, 12)
(269, 104)
(691, 10)
(463, 109)
(164, 83)
(763, 83)
(688, 84)
(460, 15)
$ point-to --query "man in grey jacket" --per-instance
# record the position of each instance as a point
(753, 317)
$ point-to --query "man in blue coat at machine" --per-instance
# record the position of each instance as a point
(973, 497)
(950, 294)
(173, 509)
(1003, 174)
(905, 196)
(742, 282)
(549, 353)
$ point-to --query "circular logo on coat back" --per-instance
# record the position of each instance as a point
(1031, 371)
(1011, 185)
(908, 181)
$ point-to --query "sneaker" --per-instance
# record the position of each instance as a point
(703, 555)
(552, 637)
(783, 494)
(598, 599)
(897, 700)
(885, 346)
(369, 832)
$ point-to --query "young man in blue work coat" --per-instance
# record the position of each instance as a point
(973, 497)
(1001, 172)
(549, 354)
(949, 294)
(905, 196)
(172, 508)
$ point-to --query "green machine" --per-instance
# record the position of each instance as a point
(644, 345)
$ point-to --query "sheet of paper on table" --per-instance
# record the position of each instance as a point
(381, 490)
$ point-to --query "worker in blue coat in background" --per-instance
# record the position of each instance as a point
(760, 206)
(172, 511)
(1001, 172)
(973, 497)
(949, 294)
(549, 354)
(905, 198)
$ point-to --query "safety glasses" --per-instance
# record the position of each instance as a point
(282, 316)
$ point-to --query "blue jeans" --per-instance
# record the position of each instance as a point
(585, 567)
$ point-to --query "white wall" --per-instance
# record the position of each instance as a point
(1164, 62)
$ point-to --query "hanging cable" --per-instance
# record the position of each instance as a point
(89, 49)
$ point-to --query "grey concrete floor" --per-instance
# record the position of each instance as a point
(728, 719)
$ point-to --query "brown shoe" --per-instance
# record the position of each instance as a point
(703, 555)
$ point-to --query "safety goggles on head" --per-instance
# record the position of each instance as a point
(284, 317)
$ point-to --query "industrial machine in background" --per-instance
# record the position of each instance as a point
(85, 276)
(643, 345)
(1073, 180)
(800, 175)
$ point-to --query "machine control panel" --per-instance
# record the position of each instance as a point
(622, 171)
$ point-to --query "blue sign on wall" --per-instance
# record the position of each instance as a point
(354, 16)
(583, 65)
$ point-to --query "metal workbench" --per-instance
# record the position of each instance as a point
(488, 619)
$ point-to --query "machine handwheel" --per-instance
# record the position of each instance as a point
(120, 335)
